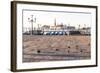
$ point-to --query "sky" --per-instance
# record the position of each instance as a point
(48, 18)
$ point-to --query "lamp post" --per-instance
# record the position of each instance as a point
(31, 19)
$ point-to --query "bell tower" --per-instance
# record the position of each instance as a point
(55, 23)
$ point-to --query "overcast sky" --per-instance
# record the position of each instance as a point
(48, 18)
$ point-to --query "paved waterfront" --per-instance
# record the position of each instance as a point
(38, 48)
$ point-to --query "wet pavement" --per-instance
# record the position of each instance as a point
(37, 48)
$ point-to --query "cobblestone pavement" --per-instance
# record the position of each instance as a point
(38, 48)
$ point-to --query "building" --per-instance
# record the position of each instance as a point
(86, 31)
